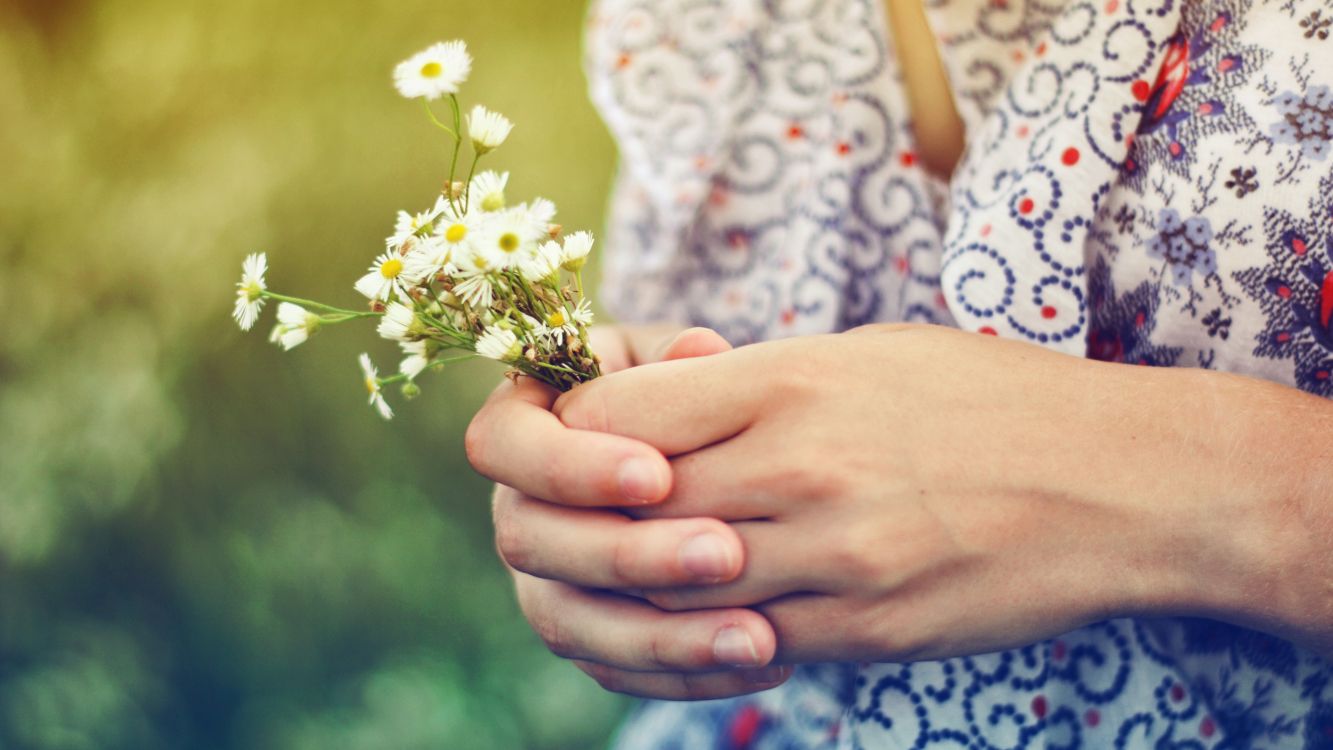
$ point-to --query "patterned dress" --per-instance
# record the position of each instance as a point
(1145, 181)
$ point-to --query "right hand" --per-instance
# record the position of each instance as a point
(558, 530)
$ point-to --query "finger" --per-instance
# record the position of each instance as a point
(604, 549)
(675, 406)
(724, 481)
(631, 634)
(685, 686)
(814, 628)
(777, 563)
(515, 440)
(694, 342)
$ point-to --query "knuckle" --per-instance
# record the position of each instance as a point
(857, 555)
(610, 680)
(513, 547)
(552, 633)
(667, 600)
(584, 409)
(474, 442)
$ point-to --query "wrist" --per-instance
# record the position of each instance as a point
(1230, 523)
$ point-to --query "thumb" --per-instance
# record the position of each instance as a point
(695, 342)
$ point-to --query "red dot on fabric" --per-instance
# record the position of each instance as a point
(1041, 49)
(1039, 706)
(1284, 337)
(1284, 292)
(623, 61)
(907, 158)
(1226, 64)
(1207, 727)
(1218, 23)
(1177, 692)
(1021, 131)
(1018, 55)
(1070, 156)
(1141, 90)
(1140, 319)
(985, 230)
(1092, 718)
(788, 316)
(744, 726)
(844, 148)
(1298, 245)
(1206, 108)
(1048, 312)
(795, 131)
(1321, 375)
(1026, 205)
(987, 331)
(900, 264)
(1112, 6)
(1174, 148)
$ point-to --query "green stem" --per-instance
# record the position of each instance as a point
(458, 146)
(431, 114)
(400, 377)
(310, 304)
(467, 186)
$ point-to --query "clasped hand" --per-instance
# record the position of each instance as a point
(688, 528)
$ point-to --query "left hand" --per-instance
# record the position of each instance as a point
(914, 492)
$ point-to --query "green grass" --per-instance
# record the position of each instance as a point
(205, 542)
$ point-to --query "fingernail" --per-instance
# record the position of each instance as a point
(640, 480)
(766, 675)
(734, 647)
(706, 556)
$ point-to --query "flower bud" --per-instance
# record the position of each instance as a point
(411, 390)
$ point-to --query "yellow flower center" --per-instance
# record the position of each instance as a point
(509, 242)
(493, 202)
(556, 319)
(371, 386)
(253, 291)
(391, 268)
(431, 70)
(455, 233)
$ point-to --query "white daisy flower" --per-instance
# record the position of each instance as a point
(433, 72)
(250, 290)
(542, 263)
(382, 279)
(487, 191)
(541, 213)
(409, 226)
(487, 129)
(562, 322)
(576, 249)
(295, 325)
(371, 377)
(499, 343)
(400, 323)
(582, 313)
(509, 238)
(475, 288)
(427, 259)
(419, 355)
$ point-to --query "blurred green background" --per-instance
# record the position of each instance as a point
(205, 542)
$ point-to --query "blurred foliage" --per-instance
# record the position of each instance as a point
(205, 542)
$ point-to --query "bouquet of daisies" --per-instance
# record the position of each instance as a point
(471, 274)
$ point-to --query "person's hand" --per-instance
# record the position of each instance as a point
(912, 492)
(555, 530)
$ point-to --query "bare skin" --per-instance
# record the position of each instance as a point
(867, 494)
(689, 525)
